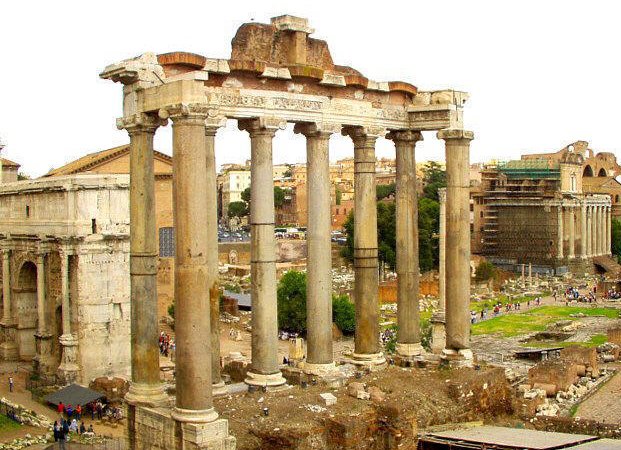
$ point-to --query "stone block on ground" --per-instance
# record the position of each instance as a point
(328, 398)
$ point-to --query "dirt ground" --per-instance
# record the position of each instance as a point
(296, 411)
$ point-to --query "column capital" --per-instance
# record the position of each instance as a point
(442, 194)
(455, 134)
(364, 136)
(405, 136)
(140, 123)
(214, 122)
(262, 125)
(189, 114)
(317, 129)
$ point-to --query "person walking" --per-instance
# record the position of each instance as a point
(10, 384)
(62, 435)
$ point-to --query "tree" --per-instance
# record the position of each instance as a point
(339, 196)
(615, 238)
(428, 221)
(485, 271)
(237, 209)
(344, 314)
(279, 196)
(22, 176)
(385, 190)
(291, 298)
(433, 179)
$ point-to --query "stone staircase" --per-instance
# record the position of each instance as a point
(608, 264)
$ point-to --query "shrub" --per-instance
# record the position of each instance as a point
(344, 314)
(485, 271)
(291, 297)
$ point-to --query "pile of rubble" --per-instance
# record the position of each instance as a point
(26, 441)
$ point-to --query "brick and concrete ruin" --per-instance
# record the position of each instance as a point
(276, 74)
(65, 282)
(543, 211)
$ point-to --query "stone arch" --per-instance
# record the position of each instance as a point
(602, 173)
(588, 171)
(25, 305)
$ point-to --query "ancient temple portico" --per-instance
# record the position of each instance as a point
(277, 74)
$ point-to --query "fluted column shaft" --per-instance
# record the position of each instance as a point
(265, 365)
(608, 230)
(583, 231)
(559, 232)
(366, 342)
(145, 387)
(41, 322)
(196, 267)
(6, 287)
(457, 144)
(408, 312)
(572, 233)
(319, 353)
(590, 231)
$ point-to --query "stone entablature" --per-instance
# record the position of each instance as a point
(65, 276)
(66, 206)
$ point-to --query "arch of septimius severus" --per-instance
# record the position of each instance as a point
(276, 74)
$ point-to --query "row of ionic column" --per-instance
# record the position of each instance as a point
(595, 230)
(196, 254)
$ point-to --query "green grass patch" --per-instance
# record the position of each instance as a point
(504, 299)
(7, 424)
(594, 341)
(536, 319)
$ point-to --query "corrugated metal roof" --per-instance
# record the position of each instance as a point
(514, 438)
(242, 299)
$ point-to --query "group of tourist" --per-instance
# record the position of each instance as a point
(167, 344)
(573, 295)
(612, 294)
(63, 427)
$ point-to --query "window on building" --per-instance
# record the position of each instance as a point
(167, 242)
(27, 211)
(573, 187)
(617, 198)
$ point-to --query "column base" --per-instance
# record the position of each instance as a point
(458, 358)
(151, 395)
(194, 415)
(273, 380)
(68, 370)
(43, 361)
(371, 361)
(9, 351)
(320, 370)
(409, 350)
(219, 389)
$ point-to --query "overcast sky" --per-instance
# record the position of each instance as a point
(540, 74)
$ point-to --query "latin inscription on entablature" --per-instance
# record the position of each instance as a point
(254, 101)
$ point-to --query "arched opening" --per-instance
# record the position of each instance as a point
(588, 171)
(26, 305)
(602, 172)
(617, 198)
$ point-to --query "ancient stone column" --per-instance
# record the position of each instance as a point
(572, 233)
(457, 144)
(408, 312)
(8, 348)
(319, 355)
(602, 230)
(598, 230)
(68, 369)
(264, 370)
(43, 358)
(211, 128)
(559, 232)
(608, 230)
(438, 319)
(583, 231)
(145, 388)
(196, 262)
(589, 231)
(367, 349)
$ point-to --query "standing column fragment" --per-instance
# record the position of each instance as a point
(457, 144)
(264, 370)
(68, 368)
(145, 387)
(572, 233)
(608, 230)
(319, 355)
(408, 312)
(590, 231)
(8, 348)
(583, 230)
(367, 349)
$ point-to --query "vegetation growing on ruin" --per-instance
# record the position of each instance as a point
(7, 424)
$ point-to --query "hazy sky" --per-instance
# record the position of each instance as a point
(540, 74)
